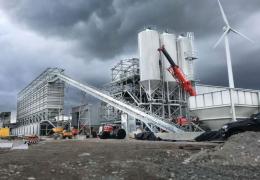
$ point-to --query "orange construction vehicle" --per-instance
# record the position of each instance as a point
(60, 133)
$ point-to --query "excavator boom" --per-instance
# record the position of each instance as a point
(178, 74)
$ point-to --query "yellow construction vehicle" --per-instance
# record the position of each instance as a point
(4, 132)
(60, 133)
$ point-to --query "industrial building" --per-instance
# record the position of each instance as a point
(5, 119)
(85, 116)
(80, 116)
(40, 107)
(39, 103)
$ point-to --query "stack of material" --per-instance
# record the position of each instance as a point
(239, 150)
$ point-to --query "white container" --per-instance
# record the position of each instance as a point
(148, 44)
(222, 98)
(185, 53)
(169, 42)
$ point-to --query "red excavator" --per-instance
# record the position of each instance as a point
(178, 74)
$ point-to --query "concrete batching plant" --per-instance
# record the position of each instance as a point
(154, 90)
(146, 83)
(150, 85)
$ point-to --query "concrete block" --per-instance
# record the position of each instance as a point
(6, 145)
(21, 146)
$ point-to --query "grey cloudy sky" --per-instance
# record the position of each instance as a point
(87, 38)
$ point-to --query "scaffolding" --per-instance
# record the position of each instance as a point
(41, 100)
(168, 101)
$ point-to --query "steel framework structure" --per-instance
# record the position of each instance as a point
(151, 121)
(168, 101)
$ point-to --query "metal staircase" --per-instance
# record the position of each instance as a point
(149, 119)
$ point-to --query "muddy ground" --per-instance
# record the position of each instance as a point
(114, 159)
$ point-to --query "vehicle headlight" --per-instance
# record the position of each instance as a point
(225, 127)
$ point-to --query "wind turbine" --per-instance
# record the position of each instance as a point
(227, 29)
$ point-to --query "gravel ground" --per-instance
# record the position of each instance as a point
(115, 159)
(240, 150)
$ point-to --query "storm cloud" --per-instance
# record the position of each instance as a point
(87, 38)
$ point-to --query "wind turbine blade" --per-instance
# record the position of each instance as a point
(223, 13)
(220, 39)
(244, 36)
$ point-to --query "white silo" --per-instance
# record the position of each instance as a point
(169, 42)
(148, 44)
(186, 55)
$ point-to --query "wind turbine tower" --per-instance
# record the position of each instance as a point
(227, 29)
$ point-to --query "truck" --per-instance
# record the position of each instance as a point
(111, 131)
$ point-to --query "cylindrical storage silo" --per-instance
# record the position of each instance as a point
(185, 59)
(169, 42)
(192, 52)
(148, 44)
